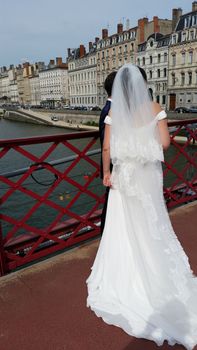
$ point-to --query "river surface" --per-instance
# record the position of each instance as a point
(18, 204)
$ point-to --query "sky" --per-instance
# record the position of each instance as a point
(39, 30)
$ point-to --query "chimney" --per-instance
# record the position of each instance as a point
(90, 46)
(82, 51)
(51, 62)
(127, 24)
(58, 61)
(119, 28)
(156, 24)
(194, 6)
(68, 51)
(176, 14)
(141, 27)
(104, 33)
(96, 40)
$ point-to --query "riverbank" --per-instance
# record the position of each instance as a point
(74, 120)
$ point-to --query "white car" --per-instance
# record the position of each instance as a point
(54, 118)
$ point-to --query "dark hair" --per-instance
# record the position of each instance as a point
(142, 71)
(108, 84)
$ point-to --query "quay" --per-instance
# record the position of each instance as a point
(43, 307)
(70, 119)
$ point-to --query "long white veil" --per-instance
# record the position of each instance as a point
(133, 133)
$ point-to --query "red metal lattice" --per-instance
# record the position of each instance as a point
(17, 249)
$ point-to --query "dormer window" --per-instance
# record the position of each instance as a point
(194, 20)
(191, 35)
(186, 22)
(174, 39)
(151, 43)
(184, 36)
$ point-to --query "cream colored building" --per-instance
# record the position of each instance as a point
(4, 85)
(182, 76)
(35, 90)
(122, 47)
(152, 56)
(54, 83)
(112, 52)
(82, 76)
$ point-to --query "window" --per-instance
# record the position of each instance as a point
(192, 35)
(190, 57)
(187, 21)
(158, 73)
(163, 99)
(158, 99)
(173, 79)
(165, 72)
(138, 62)
(194, 20)
(183, 57)
(151, 59)
(144, 61)
(165, 57)
(174, 59)
(183, 38)
(159, 58)
(151, 74)
(174, 37)
(182, 78)
(189, 78)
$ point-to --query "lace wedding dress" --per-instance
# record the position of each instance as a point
(141, 279)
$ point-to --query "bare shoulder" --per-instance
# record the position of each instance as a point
(156, 108)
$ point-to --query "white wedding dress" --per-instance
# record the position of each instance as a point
(141, 279)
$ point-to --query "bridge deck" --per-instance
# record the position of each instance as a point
(43, 307)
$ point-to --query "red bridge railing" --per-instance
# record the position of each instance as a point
(51, 193)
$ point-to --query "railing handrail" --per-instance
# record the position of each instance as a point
(71, 136)
(48, 138)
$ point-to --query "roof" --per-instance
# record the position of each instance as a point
(191, 17)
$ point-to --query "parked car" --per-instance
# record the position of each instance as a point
(96, 108)
(186, 110)
(54, 118)
(193, 109)
(181, 110)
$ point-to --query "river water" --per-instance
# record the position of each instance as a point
(12, 130)
(61, 195)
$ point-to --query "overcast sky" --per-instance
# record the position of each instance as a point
(37, 30)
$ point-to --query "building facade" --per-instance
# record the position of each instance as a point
(120, 48)
(152, 56)
(82, 76)
(182, 73)
(54, 84)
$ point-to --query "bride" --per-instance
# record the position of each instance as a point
(141, 279)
